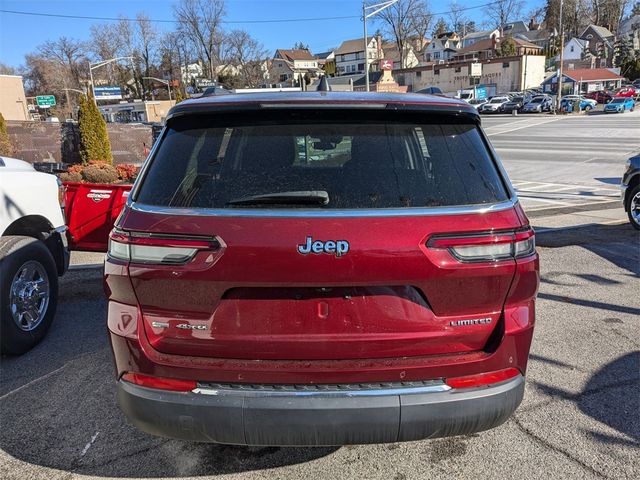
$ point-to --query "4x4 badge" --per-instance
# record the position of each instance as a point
(335, 247)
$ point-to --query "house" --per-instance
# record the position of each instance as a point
(490, 48)
(419, 45)
(190, 72)
(391, 52)
(474, 37)
(600, 43)
(327, 62)
(513, 28)
(505, 74)
(542, 37)
(443, 47)
(291, 67)
(350, 55)
(576, 49)
(583, 80)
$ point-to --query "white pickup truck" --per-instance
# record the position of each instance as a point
(33, 253)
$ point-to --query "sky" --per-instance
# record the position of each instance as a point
(21, 34)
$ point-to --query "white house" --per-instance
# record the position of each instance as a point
(575, 48)
(350, 55)
(443, 47)
(191, 72)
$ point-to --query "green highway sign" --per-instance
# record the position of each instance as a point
(46, 101)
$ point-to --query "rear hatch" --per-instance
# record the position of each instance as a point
(301, 234)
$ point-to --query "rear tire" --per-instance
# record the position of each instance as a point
(633, 207)
(28, 293)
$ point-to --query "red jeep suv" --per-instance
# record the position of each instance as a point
(321, 268)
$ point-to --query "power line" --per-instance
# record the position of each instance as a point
(117, 19)
(230, 22)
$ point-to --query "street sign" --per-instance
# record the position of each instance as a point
(475, 69)
(46, 101)
(205, 82)
(386, 64)
(107, 93)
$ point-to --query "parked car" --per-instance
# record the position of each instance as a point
(630, 187)
(568, 102)
(619, 105)
(33, 253)
(629, 92)
(476, 102)
(540, 103)
(251, 302)
(493, 105)
(514, 104)
(600, 96)
(430, 91)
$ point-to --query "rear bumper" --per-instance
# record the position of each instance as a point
(337, 417)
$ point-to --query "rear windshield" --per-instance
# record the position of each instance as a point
(205, 162)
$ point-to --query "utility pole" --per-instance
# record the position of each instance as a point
(377, 8)
(559, 93)
(366, 44)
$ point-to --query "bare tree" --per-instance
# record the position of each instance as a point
(6, 69)
(201, 22)
(61, 64)
(457, 17)
(145, 40)
(501, 12)
(249, 56)
(70, 53)
(406, 19)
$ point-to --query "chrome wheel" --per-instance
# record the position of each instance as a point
(634, 208)
(29, 295)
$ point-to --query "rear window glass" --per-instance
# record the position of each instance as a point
(212, 163)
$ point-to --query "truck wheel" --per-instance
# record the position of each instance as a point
(28, 293)
(633, 207)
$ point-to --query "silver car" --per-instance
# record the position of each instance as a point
(540, 103)
(493, 105)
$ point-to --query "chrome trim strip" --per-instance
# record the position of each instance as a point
(330, 393)
(325, 213)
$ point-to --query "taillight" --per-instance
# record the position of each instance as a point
(482, 379)
(140, 247)
(162, 383)
(487, 247)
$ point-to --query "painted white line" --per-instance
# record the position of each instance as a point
(536, 187)
(32, 382)
(576, 185)
(544, 200)
(88, 445)
(573, 227)
(524, 126)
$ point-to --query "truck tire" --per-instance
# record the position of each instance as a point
(28, 293)
(633, 206)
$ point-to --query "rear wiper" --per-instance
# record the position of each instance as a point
(310, 197)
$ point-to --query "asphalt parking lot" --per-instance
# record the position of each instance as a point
(581, 413)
